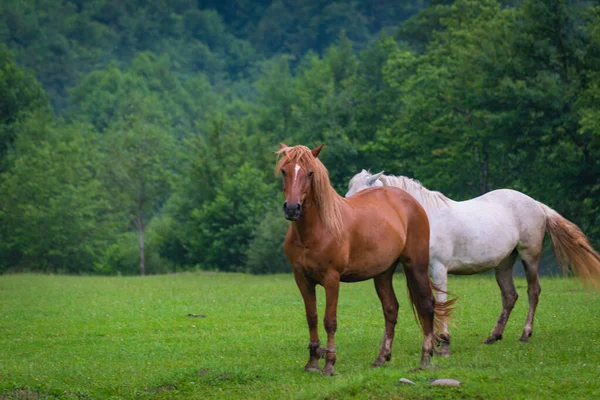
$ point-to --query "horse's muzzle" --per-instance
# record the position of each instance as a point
(292, 210)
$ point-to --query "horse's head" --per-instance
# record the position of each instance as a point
(363, 180)
(297, 167)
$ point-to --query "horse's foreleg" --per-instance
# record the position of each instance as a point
(509, 296)
(332, 289)
(307, 289)
(533, 291)
(439, 274)
(389, 303)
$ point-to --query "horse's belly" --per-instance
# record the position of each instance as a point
(317, 265)
(354, 277)
(469, 269)
(319, 271)
(476, 262)
(368, 264)
(467, 248)
(361, 271)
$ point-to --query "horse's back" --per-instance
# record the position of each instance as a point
(479, 233)
(383, 221)
(520, 210)
(387, 203)
(503, 207)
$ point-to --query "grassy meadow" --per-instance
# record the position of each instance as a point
(126, 337)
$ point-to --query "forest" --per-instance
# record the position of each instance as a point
(138, 137)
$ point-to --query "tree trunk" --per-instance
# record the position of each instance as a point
(140, 226)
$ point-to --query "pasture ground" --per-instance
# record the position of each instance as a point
(116, 337)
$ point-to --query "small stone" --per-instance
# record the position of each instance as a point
(445, 382)
(405, 381)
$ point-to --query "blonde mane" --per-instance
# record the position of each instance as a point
(429, 199)
(329, 203)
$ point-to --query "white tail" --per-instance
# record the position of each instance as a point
(572, 247)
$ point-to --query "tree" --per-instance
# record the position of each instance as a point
(450, 125)
(226, 225)
(140, 163)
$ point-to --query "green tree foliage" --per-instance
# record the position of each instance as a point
(21, 96)
(160, 155)
(55, 215)
(449, 112)
(265, 252)
(140, 162)
(207, 164)
(110, 93)
(225, 226)
(64, 41)
(493, 102)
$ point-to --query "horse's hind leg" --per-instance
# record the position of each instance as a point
(389, 303)
(509, 296)
(307, 290)
(421, 295)
(530, 264)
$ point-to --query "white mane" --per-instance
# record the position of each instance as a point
(429, 199)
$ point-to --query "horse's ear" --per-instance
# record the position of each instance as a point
(315, 152)
(283, 148)
(373, 178)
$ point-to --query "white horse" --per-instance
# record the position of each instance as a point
(490, 231)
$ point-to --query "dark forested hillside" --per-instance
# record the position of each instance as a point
(62, 41)
(138, 136)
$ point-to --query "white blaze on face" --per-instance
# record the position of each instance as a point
(296, 169)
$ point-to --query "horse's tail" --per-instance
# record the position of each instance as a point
(440, 308)
(572, 247)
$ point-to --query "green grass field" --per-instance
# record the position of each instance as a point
(96, 337)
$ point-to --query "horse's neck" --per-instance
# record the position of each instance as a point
(431, 201)
(304, 230)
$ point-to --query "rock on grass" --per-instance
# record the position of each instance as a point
(445, 382)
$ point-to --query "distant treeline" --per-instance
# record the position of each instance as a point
(140, 135)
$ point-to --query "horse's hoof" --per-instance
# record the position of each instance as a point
(377, 363)
(524, 338)
(492, 339)
(327, 371)
(312, 369)
(443, 353)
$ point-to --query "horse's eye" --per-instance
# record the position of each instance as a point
(283, 172)
(310, 174)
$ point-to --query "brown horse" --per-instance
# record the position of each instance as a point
(333, 239)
